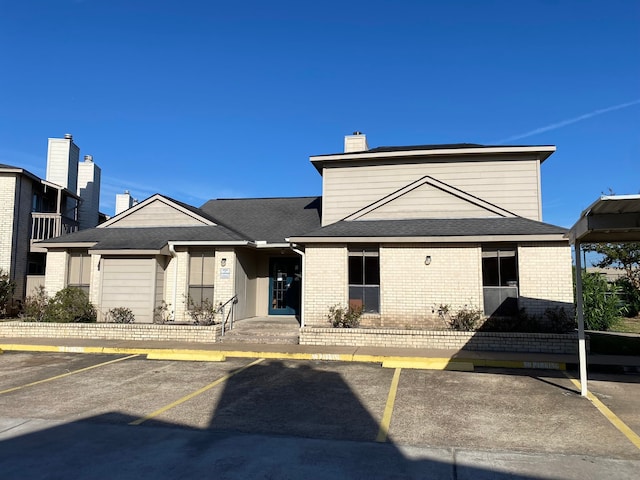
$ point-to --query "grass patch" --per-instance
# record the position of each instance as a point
(627, 325)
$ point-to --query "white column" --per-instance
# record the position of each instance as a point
(582, 347)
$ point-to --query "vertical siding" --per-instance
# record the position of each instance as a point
(512, 185)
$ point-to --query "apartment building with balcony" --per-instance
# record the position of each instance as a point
(34, 209)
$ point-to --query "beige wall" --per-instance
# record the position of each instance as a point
(246, 283)
(510, 184)
(411, 292)
(325, 282)
(546, 277)
(56, 272)
(7, 205)
(157, 213)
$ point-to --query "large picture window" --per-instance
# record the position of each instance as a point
(500, 280)
(201, 276)
(364, 278)
(79, 271)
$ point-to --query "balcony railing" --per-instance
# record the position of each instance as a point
(50, 225)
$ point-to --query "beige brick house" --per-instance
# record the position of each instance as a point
(398, 230)
(34, 209)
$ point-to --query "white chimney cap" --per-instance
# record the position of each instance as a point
(68, 136)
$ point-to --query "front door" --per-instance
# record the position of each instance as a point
(284, 285)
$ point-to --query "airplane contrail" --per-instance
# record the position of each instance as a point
(563, 123)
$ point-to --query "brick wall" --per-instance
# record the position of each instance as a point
(56, 273)
(410, 291)
(112, 331)
(545, 277)
(7, 204)
(445, 340)
(325, 281)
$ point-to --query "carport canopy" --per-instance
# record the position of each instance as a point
(610, 219)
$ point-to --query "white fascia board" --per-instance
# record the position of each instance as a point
(124, 252)
(552, 237)
(545, 150)
(272, 245)
(60, 188)
(210, 243)
(61, 245)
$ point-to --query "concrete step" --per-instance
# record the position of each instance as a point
(268, 330)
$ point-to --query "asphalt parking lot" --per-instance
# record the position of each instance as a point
(48, 400)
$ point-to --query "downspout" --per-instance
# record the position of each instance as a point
(301, 253)
(174, 255)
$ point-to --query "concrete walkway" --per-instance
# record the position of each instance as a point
(408, 357)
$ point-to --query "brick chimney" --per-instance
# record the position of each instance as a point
(355, 143)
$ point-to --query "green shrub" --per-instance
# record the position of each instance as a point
(630, 296)
(35, 306)
(602, 306)
(203, 313)
(7, 287)
(120, 315)
(341, 317)
(70, 305)
(466, 319)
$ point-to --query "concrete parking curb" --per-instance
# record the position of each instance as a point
(453, 362)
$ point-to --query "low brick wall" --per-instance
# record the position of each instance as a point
(445, 340)
(112, 331)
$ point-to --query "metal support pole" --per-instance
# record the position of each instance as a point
(582, 347)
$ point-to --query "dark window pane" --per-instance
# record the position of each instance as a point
(371, 299)
(372, 270)
(490, 272)
(356, 275)
(508, 270)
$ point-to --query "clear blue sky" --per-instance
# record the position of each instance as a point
(213, 99)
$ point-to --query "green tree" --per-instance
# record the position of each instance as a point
(7, 287)
(624, 256)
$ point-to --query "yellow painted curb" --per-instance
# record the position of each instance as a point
(429, 364)
(190, 357)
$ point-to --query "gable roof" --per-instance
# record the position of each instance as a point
(473, 201)
(266, 219)
(434, 230)
(189, 210)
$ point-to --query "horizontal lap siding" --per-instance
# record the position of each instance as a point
(512, 185)
(129, 282)
(156, 214)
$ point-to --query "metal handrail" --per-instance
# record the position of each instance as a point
(232, 312)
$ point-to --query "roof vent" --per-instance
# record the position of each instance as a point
(68, 136)
(88, 158)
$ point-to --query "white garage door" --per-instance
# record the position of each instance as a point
(129, 282)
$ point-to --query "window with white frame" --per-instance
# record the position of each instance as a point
(364, 278)
(201, 278)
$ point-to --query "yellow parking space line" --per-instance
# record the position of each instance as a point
(383, 432)
(66, 374)
(194, 394)
(632, 436)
